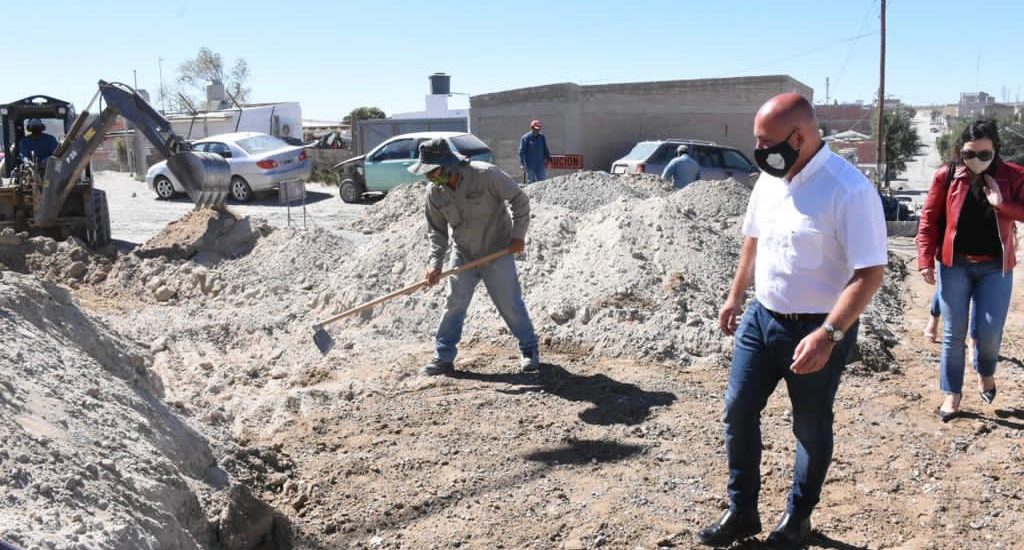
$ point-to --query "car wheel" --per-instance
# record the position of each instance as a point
(164, 188)
(350, 191)
(240, 190)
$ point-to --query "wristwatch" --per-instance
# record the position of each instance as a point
(834, 334)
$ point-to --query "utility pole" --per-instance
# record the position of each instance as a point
(826, 91)
(882, 177)
(163, 92)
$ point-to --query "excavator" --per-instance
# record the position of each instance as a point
(56, 197)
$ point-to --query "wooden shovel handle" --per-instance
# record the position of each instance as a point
(413, 287)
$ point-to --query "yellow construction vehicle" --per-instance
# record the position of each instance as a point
(55, 196)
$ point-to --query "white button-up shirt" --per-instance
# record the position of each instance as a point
(812, 232)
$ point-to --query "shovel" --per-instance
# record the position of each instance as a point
(323, 340)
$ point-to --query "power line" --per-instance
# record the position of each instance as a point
(813, 49)
(849, 55)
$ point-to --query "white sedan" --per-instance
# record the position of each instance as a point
(259, 162)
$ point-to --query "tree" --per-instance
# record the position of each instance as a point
(208, 67)
(362, 113)
(1011, 134)
(901, 140)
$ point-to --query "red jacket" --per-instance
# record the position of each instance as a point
(943, 204)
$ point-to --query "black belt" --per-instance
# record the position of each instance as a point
(803, 317)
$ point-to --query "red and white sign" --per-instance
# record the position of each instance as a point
(566, 162)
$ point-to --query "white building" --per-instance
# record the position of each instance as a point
(437, 101)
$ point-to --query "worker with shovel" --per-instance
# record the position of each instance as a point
(470, 198)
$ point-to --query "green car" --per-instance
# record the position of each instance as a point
(387, 165)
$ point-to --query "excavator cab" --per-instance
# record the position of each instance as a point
(57, 115)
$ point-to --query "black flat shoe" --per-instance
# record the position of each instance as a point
(732, 526)
(988, 396)
(946, 416)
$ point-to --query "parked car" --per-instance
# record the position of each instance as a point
(386, 166)
(259, 163)
(716, 161)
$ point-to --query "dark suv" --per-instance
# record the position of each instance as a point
(717, 162)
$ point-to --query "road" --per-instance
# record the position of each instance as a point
(919, 171)
(136, 215)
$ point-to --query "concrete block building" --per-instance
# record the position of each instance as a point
(603, 122)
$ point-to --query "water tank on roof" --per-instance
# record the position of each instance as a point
(440, 84)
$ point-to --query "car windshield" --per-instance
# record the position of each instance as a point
(260, 144)
(469, 145)
(641, 150)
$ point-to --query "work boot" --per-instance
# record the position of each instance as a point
(790, 533)
(732, 526)
(437, 366)
(530, 362)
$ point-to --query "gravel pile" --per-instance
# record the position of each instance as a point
(616, 266)
(587, 191)
(91, 457)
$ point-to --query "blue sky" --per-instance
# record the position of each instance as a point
(335, 55)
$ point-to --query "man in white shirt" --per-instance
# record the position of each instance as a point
(815, 249)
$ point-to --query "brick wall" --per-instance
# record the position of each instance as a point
(603, 122)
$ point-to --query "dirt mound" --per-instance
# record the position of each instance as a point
(587, 191)
(616, 266)
(91, 456)
(401, 203)
(208, 235)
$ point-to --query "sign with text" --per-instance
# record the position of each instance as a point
(566, 162)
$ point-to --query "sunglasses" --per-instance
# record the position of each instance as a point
(983, 156)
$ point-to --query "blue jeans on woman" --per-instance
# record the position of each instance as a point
(762, 356)
(502, 283)
(989, 288)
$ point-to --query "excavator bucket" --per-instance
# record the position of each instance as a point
(206, 177)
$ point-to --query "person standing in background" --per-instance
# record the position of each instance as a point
(533, 153)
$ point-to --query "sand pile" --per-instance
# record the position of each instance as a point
(91, 457)
(586, 191)
(615, 266)
(207, 235)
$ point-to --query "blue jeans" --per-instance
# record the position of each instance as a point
(763, 353)
(989, 288)
(936, 310)
(502, 283)
(535, 173)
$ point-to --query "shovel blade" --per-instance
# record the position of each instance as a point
(323, 341)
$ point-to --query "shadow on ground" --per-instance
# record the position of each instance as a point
(815, 540)
(584, 451)
(613, 402)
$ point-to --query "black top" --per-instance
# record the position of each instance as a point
(976, 230)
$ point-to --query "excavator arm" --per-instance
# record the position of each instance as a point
(205, 176)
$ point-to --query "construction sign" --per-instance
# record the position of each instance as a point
(566, 162)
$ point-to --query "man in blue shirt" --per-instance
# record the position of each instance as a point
(533, 153)
(37, 145)
(682, 170)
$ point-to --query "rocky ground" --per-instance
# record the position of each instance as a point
(187, 367)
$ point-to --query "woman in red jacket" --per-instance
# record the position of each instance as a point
(967, 225)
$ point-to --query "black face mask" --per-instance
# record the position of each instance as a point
(778, 159)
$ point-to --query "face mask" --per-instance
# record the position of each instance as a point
(977, 166)
(441, 178)
(778, 159)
